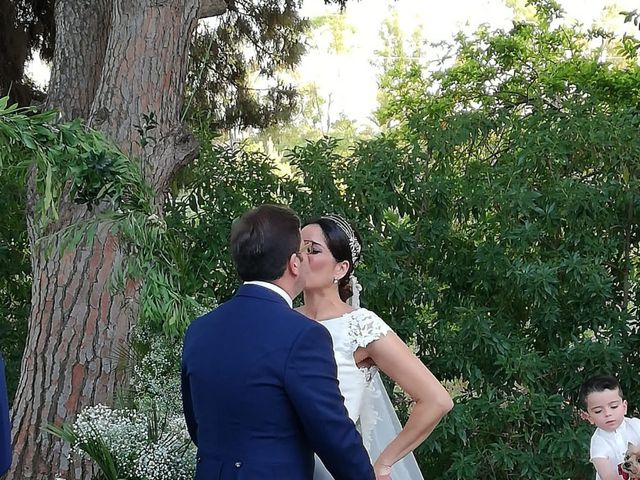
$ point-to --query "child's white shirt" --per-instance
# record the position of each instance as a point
(613, 445)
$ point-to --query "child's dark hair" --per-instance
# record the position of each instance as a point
(598, 383)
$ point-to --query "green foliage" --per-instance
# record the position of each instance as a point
(500, 225)
(225, 94)
(154, 258)
(15, 274)
(499, 214)
(531, 160)
(253, 39)
(73, 164)
(396, 65)
(630, 45)
(149, 123)
(216, 189)
(311, 120)
(69, 160)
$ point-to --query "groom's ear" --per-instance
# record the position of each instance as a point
(293, 264)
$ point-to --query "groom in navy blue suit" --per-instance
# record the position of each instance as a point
(259, 384)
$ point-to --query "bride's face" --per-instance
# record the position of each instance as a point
(323, 268)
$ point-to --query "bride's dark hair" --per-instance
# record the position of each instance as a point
(338, 244)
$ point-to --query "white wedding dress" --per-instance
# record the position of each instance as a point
(364, 394)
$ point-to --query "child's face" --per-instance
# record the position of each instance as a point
(606, 409)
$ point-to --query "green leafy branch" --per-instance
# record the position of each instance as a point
(150, 122)
(73, 162)
(69, 159)
(630, 45)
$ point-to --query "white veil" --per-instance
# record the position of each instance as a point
(379, 422)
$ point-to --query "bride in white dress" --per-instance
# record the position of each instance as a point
(364, 344)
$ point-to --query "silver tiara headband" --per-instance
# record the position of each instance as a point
(354, 245)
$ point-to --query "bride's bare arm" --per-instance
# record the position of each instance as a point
(432, 401)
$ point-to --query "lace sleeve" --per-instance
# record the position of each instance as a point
(366, 327)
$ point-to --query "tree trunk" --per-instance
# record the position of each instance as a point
(82, 31)
(76, 321)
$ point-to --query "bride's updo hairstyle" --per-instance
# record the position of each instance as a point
(344, 243)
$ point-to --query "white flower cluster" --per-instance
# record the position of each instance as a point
(166, 458)
(126, 435)
(122, 432)
(147, 435)
(156, 376)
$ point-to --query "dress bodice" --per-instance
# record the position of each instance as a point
(352, 330)
(367, 403)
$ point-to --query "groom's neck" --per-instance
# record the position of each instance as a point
(287, 286)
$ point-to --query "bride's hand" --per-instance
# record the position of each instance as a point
(382, 471)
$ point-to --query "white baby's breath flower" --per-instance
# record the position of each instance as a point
(149, 441)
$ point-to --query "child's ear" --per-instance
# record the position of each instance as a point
(585, 416)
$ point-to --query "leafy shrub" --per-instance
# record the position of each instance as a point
(500, 223)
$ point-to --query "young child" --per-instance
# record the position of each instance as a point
(605, 407)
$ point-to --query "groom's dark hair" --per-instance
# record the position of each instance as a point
(263, 240)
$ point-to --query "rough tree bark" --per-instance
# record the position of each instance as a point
(82, 32)
(115, 61)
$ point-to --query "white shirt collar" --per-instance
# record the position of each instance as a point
(273, 288)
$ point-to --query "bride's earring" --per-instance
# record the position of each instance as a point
(335, 280)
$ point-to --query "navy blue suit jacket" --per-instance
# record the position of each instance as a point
(5, 424)
(260, 394)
